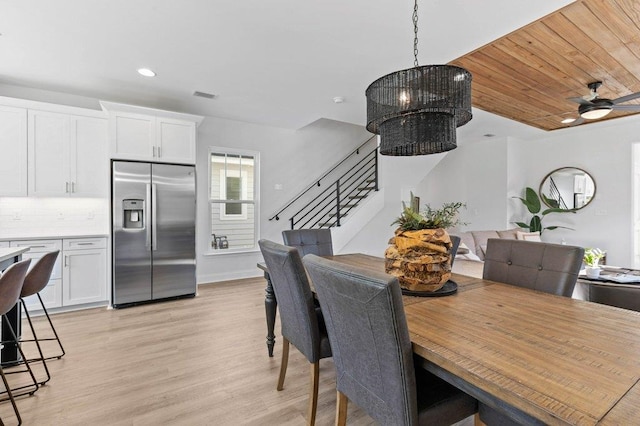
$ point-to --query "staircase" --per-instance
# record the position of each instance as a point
(331, 198)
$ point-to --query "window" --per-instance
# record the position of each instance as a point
(233, 189)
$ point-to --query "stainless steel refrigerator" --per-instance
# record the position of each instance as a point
(153, 231)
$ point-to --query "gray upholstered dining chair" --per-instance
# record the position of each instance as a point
(372, 350)
(550, 268)
(621, 296)
(301, 320)
(545, 267)
(314, 241)
(455, 243)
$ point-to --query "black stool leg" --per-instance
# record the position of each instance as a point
(33, 377)
(35, 339)
(11, 398)
(55, 333)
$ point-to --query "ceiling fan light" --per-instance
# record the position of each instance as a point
(595, 113)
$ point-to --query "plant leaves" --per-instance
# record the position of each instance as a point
(536, 224)
(532, 201)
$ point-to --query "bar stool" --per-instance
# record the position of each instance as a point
(37, 279)
(10, 287)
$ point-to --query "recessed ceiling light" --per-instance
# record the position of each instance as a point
(146, 72)
(568, 120)
(338, 99)
(488, 135)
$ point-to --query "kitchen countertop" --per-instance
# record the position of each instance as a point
(52, 237)
(9, 252)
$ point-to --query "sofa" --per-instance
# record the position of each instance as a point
(470, 256)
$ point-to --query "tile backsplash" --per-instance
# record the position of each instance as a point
(26, 217)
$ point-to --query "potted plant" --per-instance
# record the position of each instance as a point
(419, 253)
(591, 260)
(533, 204)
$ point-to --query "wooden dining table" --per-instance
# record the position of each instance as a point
(539, 358)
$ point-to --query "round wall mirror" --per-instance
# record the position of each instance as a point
(567, 188)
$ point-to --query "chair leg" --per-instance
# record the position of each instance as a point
(26, 363)
(313, 393)
(283, 363)
(37, 342)
(55, 333)
(11, 398)
(341, 409)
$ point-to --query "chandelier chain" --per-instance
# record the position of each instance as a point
(415, 34)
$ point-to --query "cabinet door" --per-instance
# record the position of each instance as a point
(48, 138)
(84, 277)
(132, 136)
(89, 171)
(176, 141)
(13, 145)
(52, 294)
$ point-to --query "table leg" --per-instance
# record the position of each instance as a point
(270, 305)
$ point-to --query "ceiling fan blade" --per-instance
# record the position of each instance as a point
(626, 107)
(580, 101)
(626, 98)
(578, 121)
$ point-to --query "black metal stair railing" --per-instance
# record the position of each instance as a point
(333, 203)
(556, 196)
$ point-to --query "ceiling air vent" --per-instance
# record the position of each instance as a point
(204, 95)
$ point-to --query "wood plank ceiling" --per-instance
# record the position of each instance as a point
(528, 75)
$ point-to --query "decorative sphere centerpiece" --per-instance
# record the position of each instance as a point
(419, 253)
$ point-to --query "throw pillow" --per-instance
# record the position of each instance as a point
(462, 249)
(528, 236)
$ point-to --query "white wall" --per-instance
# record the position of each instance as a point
(398, 176)
(292, 159)
(487, 174)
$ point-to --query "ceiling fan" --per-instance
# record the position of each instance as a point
(594, 107)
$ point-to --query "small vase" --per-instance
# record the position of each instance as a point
(592, 271)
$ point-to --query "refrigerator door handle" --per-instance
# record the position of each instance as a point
(147, 224)
(154, 207)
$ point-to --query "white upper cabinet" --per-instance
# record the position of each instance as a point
(89, 170)
(138, 133)
(13, 144)
(67, 155)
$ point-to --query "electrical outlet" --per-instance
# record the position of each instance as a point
(17, 215)
(601, 212)
(60, 215)
(91, 215)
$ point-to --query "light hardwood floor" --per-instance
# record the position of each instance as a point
(200, 361)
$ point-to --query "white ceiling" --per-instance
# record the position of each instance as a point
(278, 62)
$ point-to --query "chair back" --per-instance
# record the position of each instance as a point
(369, 337)
(310, 241)
(615, 295)
(298, 318)
(455, 243)
(38, 276)
(550, 268)
(11, 284)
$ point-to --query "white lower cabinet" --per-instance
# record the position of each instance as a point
(85, 271)
(79, 275)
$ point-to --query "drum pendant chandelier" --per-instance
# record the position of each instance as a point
(416, 111)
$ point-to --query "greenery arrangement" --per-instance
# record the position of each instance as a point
(533, 204)
(592, 256)
(413, 220)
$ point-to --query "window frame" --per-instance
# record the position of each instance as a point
(255, 202)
